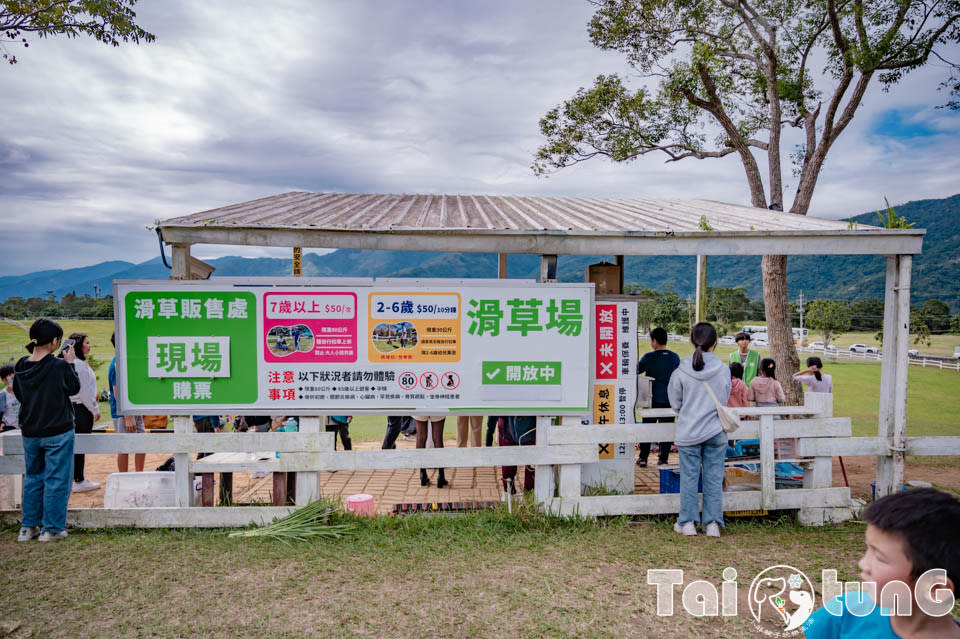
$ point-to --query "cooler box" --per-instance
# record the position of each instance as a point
(670, 481)
(140, 490)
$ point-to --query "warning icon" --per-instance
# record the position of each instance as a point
(429, 381)
(450, 380)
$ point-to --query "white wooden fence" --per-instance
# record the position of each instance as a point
(923, 361)
(558, 455)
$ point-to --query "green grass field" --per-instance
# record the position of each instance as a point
(930, 409)
(487, 574)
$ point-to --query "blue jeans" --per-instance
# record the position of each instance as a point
(709, 455)
(47, 482)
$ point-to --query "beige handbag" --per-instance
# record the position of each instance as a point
(728, 418)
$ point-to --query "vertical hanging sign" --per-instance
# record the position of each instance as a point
(297, 261)
(614, 392)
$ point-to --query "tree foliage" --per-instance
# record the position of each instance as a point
(726, 306)
(663, 308)
(830, 317)
(727, 77)
(866, 315)
(936, 315)
(109, 21)
(70, 305)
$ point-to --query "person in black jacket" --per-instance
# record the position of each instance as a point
(44, 383)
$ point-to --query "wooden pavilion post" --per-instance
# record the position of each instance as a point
(180, 262)
(182, 480)
(892, 420)
(701, 302)
(502, 266)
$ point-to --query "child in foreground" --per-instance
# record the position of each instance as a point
(907, 534)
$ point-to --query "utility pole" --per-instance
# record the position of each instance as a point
(800, 310)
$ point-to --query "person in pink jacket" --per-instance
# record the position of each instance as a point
(764, 389)
(738, 390)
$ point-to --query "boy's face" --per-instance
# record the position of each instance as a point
(744, 344)
(885, 559)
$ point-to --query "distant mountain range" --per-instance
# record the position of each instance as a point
(936, 273)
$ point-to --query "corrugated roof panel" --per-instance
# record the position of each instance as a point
(338, 211)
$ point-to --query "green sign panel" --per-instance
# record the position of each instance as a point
(193, 347)
(521, 373)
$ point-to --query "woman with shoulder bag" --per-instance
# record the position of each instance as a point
(43, 384)
(698, 390)
(86, 411)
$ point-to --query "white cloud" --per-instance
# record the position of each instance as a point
(236, 101)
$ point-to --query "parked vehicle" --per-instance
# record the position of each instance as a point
(912, 352)
(753, 329)
(759, 341)
(956, 352)
(726, 339)
(863, 348)
(820, 346)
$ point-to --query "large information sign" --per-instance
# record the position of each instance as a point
(453, 346)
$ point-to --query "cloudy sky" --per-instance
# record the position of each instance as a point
(236, 101)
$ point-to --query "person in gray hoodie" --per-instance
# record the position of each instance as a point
(701, 440)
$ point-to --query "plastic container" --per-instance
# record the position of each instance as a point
(361, 505)
(140, 490)
(670, 481)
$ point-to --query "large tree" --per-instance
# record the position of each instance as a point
(830, 317)
(109, 21)
(726, 77)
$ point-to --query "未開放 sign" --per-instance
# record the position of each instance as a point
(467, 346)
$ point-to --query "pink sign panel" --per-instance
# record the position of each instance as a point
(301, 327)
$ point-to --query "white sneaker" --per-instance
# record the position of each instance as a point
(85, 486)
(48, 536)
(689, 529)
(26, 534)
(712, 529)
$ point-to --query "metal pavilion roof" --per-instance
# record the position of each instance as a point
(520, 224)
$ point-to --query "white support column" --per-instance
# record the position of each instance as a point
(767, 477)
(900, 380)
(888, 368)
(183, 480)
(180, 262)
(308, 483)
(701, 301)
(544, 482)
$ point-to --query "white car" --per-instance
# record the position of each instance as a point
(912, 352)
(726, 339)
(863, 348)
(758, 341)
(820, 347)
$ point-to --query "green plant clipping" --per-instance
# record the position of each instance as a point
(891, 221)
(193, 347)
(704, 224)
(313, 521)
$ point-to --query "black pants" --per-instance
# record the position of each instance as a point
(491, 429)
(664, 446)
(203, 426)
(344, 432)
(83, 423)
(396, 424)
